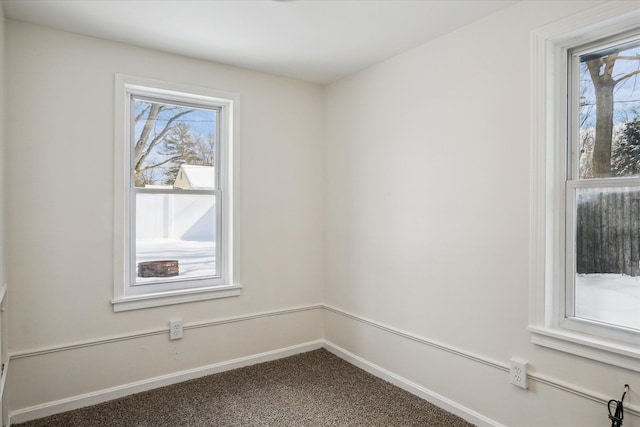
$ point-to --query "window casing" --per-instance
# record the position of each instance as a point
(558, 191)
(174, 194)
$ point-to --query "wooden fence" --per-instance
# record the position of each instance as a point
(608, 231)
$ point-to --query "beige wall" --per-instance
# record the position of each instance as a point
(397, 196)
(428, 221)
(59, 184)
(2, 133)
(3, 316)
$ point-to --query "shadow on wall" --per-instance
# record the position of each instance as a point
(175, 217)
(203, 229)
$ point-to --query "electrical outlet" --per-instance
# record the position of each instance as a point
(518, 373)
(175, 329)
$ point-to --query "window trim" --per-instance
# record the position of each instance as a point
(123, 299)
(549, 89)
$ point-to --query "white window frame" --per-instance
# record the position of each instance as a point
(125, 295)
(548, 325)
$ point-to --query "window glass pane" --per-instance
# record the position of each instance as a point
(169, 139)
(609, 112)
(607, 280)
(176, 237)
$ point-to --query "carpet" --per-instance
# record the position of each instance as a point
(313, 389)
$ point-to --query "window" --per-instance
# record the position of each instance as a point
(603, 188)
(585, 259)
(173, 194)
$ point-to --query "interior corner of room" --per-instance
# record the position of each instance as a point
(384, 210)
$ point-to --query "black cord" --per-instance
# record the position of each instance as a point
(618, 415)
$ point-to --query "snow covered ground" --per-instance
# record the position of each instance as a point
(195, 258)
(609, 298)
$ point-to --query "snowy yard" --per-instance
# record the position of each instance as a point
(195, 258)
(609, 298)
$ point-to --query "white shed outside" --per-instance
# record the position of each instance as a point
(192, 177)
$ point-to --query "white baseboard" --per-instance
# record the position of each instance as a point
(630, 409)
(428, 395)
(101, 396)
(93, 398)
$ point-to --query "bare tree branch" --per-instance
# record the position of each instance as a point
(629, 58)
(141, 156)
(155, 109)
(627, 76)
(172, 159)
(142, 113)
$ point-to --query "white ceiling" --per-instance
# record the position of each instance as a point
(318, 41)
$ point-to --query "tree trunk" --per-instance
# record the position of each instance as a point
(601, 70)
(604, 132)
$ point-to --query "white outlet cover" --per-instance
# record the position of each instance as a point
(518, 373)
(175, 329)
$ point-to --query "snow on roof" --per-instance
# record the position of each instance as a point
(192, 176)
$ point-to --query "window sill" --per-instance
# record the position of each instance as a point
(176, 297)
(616, 354)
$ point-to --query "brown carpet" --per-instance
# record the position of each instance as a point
(310, 389)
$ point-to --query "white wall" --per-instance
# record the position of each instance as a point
(2, 132)
(428, 221)
(59, 220)
(2, 143)
(404, 199)
(3, 323)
